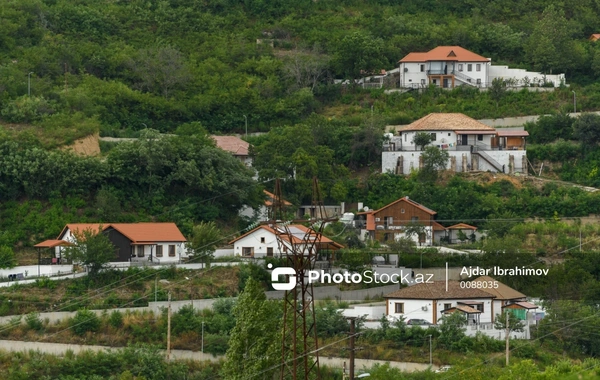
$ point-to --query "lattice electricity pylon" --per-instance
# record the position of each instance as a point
(299, 346)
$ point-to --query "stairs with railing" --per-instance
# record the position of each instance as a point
(489, 159)
(464, 78)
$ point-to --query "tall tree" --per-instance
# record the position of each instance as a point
(205, 238)
(434, 159)
(255, 343)
(587, 129)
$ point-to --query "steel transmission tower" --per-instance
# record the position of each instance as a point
(299, 346)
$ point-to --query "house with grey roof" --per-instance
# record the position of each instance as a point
(471, 145)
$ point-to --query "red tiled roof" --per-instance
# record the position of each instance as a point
(52, 243)
(403, 199)
(437, 291)
(463, 308)
(445, 53)
(456, 122)
(149, 232)
(232, 144)
(324, 240)
(136, 232)
(271, 196)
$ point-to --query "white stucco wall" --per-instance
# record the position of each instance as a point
(389, 160)
(415, 309)
(505, 72)
(260, 246)
(150, 250)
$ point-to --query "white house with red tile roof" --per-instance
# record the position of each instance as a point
(262, 242)
(453, 66)
(161, 243)
(471, 145)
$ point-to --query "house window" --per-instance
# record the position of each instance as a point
(402, 211)
(478, 67)
(387, 237)
(460, 67)
(389, 220)
(262, 240)
(480, 137)
(414, 219)
(479, 307)
(159, 251)
(270, 252)
(247, 251)
(140, 251)
(448, 134)
(478, 81)
(422, 68)
(399, 308)
(470, 67)
(423, 82)
(172, 250)
(433, 137)
(447, 306)
(405, 137)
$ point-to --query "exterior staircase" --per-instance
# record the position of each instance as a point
(489, 159)
(464, 78)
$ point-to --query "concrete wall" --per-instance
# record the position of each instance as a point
(34, 270)
(519, 76)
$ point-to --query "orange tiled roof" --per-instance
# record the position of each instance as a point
(461, 226)
(136, 232)
(437, 291)
(446, 122)
(233, 144)
(595, 37)
(445, 53)
(303, 229)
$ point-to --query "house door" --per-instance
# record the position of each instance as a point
(446, 83)
(465, 140)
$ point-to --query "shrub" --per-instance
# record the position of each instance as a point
(116, 319)
(84, 321)
(34, 322)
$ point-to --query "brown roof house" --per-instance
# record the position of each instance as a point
(160, 243)
(471, 145)
(479, 301)
(262, 242)
(236, 146)
(453, 66)
(401, 218)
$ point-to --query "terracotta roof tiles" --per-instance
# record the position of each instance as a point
(446, 122)
(233, 144)
(445, 53)
(437, 291)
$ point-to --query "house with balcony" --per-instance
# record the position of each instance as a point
(401, 218)
(471, 145)
(453, 66)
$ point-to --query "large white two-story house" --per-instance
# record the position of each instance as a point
(453, 66)
(471, 145)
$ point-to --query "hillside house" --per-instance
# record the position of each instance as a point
(394, 220)
(471, 145)
(262, 242)
(160, 243)
(453, 66)
(236, 146)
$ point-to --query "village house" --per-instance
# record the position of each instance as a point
(453, 66)
(471, 145)
(262, 242)
(479, 305)
(159, 243)
(401, 218)
(236, 146)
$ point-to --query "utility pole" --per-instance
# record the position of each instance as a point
(352, 348)
(29, 84)
(430, 352)
(507, 337)
(156, 289)
(202, 336)
(169, 329)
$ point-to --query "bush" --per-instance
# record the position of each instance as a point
(84, 321)
(116, 319)
(34, 322)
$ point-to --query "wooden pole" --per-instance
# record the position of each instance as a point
(352, 332)
(507, 338)
(169, 329)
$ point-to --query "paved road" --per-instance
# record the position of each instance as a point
(61, 349)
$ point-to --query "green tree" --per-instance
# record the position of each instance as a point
(255, 343)
(358, 54)
(497, 90)
(206, 236)
(514, 323)
(7, 257)
(422, 139)
(452, 329)
(92, 249)
(587, 129)
(434, 159)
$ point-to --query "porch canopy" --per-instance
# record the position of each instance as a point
(512, 133)
(467, 310)
(50, 245)
(476, 132)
